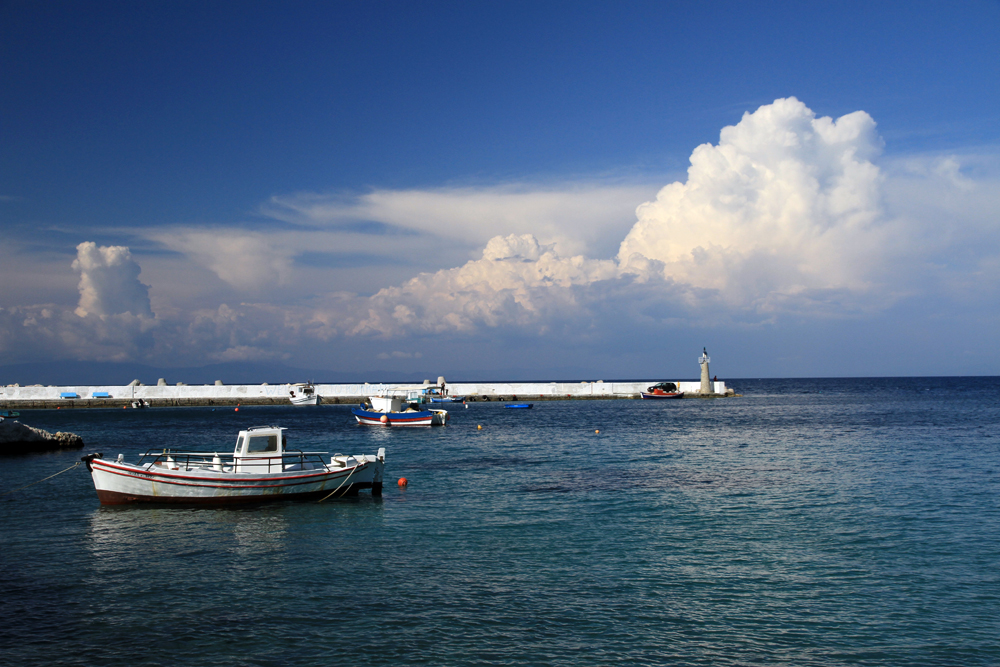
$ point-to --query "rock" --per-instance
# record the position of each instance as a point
(16, 438)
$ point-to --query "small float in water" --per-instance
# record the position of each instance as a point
(399, 408)
(303, 393)
(261, 468)
(663, 390)
(519, 406)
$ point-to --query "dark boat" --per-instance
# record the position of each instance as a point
(663, 390)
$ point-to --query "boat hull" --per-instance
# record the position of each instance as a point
(419, 418)
(122, 483)
(655, 395)
(305, 400)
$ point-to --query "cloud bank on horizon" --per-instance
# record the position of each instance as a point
(788, 215)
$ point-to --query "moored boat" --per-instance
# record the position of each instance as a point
(303, 393)
(394, 408)
(440, 395)
(261, 468)
(523, 406)
(662, 390)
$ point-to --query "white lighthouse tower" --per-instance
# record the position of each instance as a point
(706, 384)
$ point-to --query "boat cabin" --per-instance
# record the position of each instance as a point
(387, 403)
(260, 449)
(398, 403)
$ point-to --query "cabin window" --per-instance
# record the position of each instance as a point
(239, 444)
(263, 443)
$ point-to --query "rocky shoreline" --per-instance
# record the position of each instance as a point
(17, 438)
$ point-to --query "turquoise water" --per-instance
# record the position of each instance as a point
(811, 522)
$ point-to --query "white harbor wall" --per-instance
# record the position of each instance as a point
(277, 391)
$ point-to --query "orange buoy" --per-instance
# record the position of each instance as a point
(384, 419)
(402, 482)
(480, 427)
(237, 409)
(597, 430)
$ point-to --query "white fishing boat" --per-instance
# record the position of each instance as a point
(399, 408)
(303, 393)
(261, 468)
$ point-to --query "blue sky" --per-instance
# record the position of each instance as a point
(271, 167)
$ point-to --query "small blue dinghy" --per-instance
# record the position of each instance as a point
(519, 405)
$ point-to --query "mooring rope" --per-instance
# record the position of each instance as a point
(341, 484)
(42, 480)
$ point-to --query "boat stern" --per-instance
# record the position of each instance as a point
(378, 473)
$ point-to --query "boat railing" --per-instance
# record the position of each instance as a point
(217, 461)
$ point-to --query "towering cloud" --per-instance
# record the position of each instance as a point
(109, 282)
(785, 203)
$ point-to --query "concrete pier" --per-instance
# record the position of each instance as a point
(14, 397)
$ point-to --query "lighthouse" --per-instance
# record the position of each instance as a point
(706, 385)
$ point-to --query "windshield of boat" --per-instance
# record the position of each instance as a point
(263, 443)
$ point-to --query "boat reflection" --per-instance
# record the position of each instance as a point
(118, 532)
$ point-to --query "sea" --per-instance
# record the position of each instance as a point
(807, 522)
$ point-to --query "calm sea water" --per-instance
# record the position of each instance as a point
(811, 522)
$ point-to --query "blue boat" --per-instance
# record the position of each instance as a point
(409, 418)
(519, 405)
(398, 408)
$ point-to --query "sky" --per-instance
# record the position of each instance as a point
(518, 189)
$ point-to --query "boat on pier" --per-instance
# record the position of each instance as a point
(303, 394)
(663, 390)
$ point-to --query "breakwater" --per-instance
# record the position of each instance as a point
(71, 396)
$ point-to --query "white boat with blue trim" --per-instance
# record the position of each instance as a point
(261, 468)
(399, 408)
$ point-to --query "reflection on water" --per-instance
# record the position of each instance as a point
(167, 532)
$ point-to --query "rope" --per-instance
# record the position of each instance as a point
(341, 484)
(42, 480)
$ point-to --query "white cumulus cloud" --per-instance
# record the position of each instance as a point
(785, 203)
(109, 282)
(518, 282)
